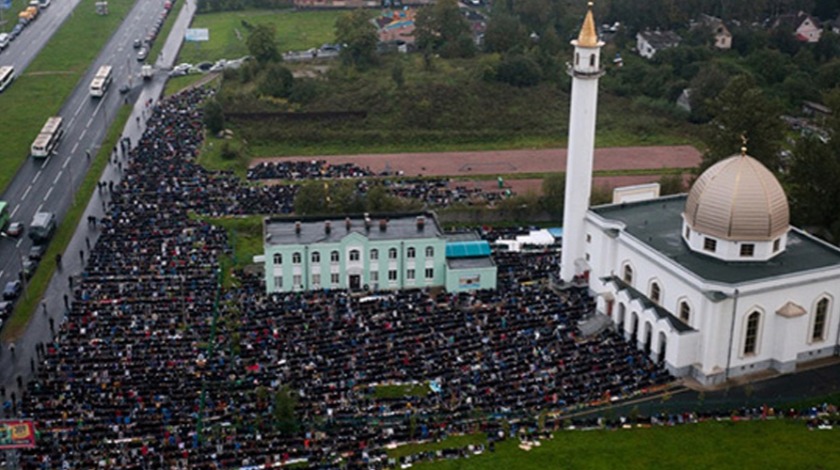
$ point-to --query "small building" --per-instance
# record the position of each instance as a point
(648, 43)
(803, 26)
(720, 33)
(387, 252)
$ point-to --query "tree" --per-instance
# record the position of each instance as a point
(742, 110)
(283, 411)
(554, 194)
(812, 184)
(519, 70)
(262, 44)
(214, 116)
(328, 197)
(441, 28)
(277, 81)
(504, 32)
(358, 37)
(671, 184)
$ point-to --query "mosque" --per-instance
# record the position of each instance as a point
(715, 283)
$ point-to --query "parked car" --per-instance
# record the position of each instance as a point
(29, 267)
(12, 290)
(15, 32)
(138, 44)
(37, 251)
(124, 88)
(15, 229)
(141, 54)
(6, 308)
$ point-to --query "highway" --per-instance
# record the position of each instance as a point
(51, 184)
(25, 47)
(18, 358)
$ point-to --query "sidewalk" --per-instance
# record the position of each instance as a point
(19, 360)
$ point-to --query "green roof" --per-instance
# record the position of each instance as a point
(658, 224)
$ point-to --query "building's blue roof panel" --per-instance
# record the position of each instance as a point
(467, 249)
(556, 232)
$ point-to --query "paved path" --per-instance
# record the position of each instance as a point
(512, 161)
(18, 359)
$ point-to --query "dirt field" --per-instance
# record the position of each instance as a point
(514, 161)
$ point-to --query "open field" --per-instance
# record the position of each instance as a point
(515, 161)
(228, 33)
(768, 444)
(41, 90)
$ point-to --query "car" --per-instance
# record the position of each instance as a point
(180, 69)
(12, 290)
(204, 67)
(15, 32)
(29, 267)
(6, 307)
(37, 251)
(138, 44)
(141, 54)
(124, 88)
(15, 229)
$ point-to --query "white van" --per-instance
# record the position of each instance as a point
(4, 40)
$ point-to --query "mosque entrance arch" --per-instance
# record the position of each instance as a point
(648, 338)
(663, 343)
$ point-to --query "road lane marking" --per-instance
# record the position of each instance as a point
(96, 109)
(1, 273)
(75, 147)
(82, 136)
(90, 121)
(43, 165)
(15, 211)
(49, 191)
(65, 163)
(79, 109)
(36, 176)
(26, 193)
(72, 120)
(19, 242)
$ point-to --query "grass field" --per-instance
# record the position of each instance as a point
(28, 305)
(295, 31)
(41, 90)
(769, 444)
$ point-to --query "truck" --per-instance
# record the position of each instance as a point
(42, 227)
(147, 72)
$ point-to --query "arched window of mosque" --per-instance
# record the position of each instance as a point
(577, 59)
(820, 317)
(354, 255)
(374, 254)
(592, 60)
(296, 258)
(411, 252)
(316, 257)
(751, 334)
(655, 292)
(430, 252)
(685, 311)
(392, 253)
(334, 256)
(628, 274)
(278, 258)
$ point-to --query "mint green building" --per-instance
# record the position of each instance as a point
(393, 252)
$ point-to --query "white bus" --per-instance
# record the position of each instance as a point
(48, 138)
(7, 74)
(101, 81)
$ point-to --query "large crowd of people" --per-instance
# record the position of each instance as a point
(158, 366)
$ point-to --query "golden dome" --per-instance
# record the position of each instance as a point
(588, 37)
(738, 199)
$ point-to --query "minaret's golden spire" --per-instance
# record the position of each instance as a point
(588, 37)
(744, 145)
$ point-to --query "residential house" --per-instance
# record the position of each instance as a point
(721, 34)
(803, 26)
(648, 43)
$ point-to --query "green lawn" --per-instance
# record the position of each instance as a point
(28, 305)
(41, 90)
(296, 30)
(712, 445)
(245, 234)
(400, 391)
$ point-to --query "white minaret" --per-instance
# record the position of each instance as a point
(585, 72)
